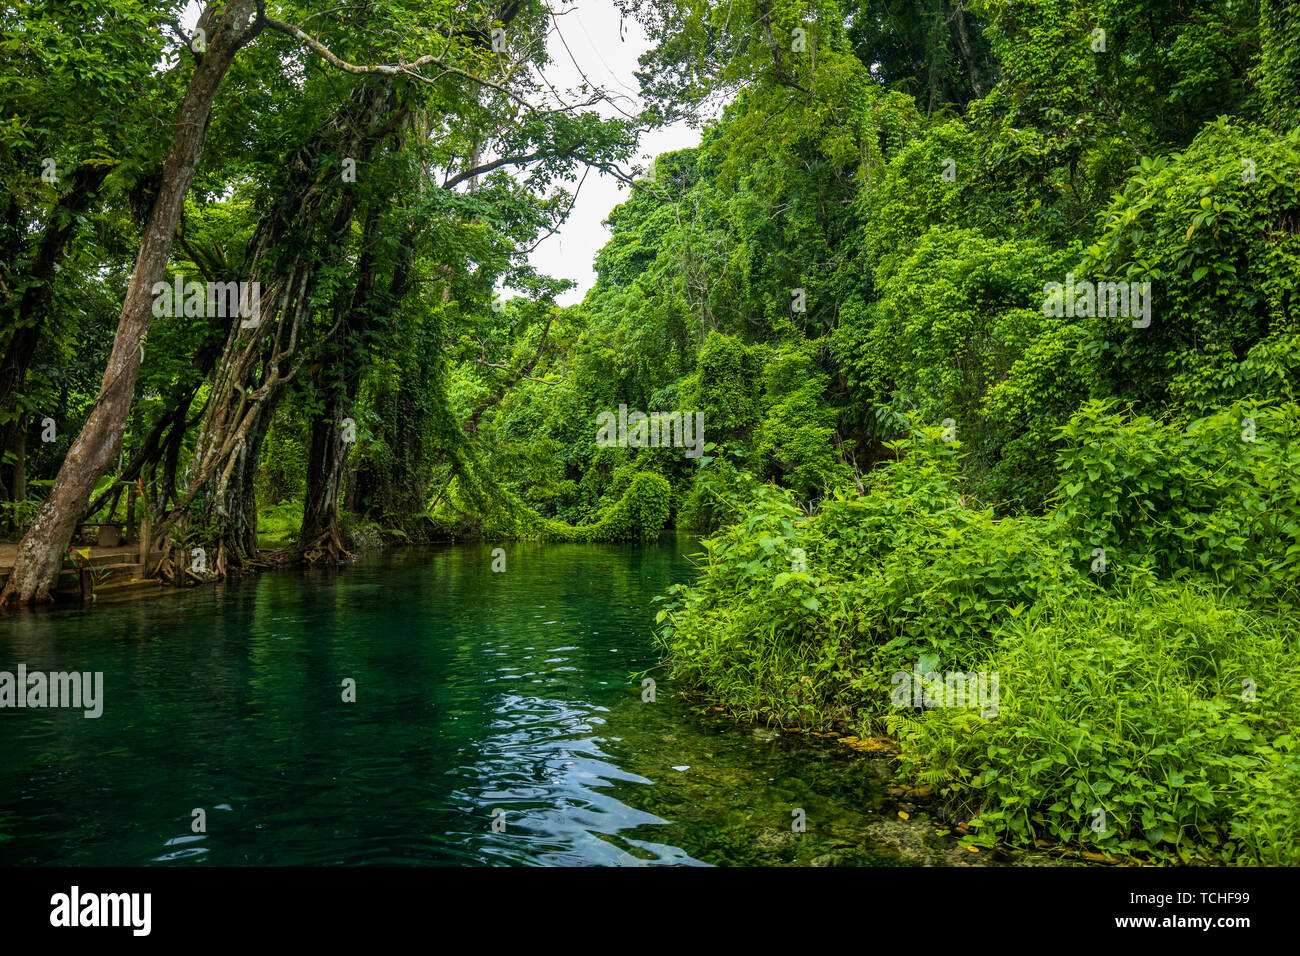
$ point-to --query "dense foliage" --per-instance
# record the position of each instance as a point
(988, 310)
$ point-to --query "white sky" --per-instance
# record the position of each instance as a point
(608, 56)
(609, 59)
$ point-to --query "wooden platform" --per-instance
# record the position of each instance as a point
(113, 572)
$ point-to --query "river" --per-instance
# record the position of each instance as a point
(498, 719)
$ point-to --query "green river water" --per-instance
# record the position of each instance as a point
(476, 692)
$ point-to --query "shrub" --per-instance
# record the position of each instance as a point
(641, 513)
(1122, 725)
(1120, 692)
(1217, 500)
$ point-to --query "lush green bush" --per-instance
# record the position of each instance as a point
(1217, 500)
(803, 618)
(796, 440)
(1215, 230)
(641, 513)
(726, 388)
(1120, 690)
(1140, 722)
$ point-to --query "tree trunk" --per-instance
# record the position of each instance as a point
(397, 486)
(319, 539)
(238, 548)
(312, 224)
(40, 555)
(230, 513)
(969, 55)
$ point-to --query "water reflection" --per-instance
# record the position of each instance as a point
(475, 692)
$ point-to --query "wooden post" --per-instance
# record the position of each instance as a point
(144, 542)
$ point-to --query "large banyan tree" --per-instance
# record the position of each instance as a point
(306, 229)
(442, 96)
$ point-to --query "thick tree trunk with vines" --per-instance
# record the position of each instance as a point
(249, 379)
(970, 56)
(40, 555)
(319, 540)
(396, 485)
(238, 546)
(306, 230)
(230, 542)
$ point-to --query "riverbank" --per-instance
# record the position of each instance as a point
(1138, 708)
(93, 572)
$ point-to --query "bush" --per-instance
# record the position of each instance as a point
(1122, 725)
(642, 513)
(1121, 691)
(1217, 500)
(1219, 239)
(801, 619)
